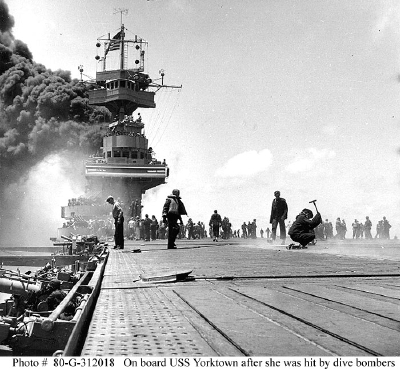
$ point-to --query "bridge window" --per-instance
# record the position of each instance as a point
(134, 154)
(117, 154)
(122, 83)
(125, 154)
(108, 154)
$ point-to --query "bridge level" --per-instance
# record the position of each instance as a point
(127, 168)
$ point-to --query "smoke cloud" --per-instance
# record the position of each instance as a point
(42, 113)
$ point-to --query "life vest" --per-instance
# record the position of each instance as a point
(173, 207)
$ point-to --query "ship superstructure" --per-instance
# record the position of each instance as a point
(125, 167)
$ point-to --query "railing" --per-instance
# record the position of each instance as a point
(95, 161)
(123, 133)
(124, 160)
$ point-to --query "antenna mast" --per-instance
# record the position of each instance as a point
(122, 35)
(122, 11)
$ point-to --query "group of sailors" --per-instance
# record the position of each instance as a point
(81, 201)
(249, 230)
(123, 133)
(101, 226)
(147, 229)
(325, 230)
(119, 126)
(360, 230)
(364, 229)
(150, 229)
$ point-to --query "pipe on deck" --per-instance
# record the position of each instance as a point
(48, 323)
(17, 286)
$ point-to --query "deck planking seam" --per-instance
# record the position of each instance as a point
(265, 336)
(357, 312)
(318, 316)
(329, 343)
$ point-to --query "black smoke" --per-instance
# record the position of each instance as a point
(42, 112)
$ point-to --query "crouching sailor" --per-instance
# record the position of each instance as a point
(302, 229)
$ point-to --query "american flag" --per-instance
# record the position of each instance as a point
(114, 43)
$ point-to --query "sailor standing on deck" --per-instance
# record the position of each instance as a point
(215, 223)
(279, 211)
(118, 216)
(172, 212)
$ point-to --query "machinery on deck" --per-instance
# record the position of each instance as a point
(44, 308)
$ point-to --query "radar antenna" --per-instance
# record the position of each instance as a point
(122, 11)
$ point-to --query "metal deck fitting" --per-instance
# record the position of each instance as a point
(138, 319)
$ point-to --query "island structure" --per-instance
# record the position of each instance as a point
(124, 167)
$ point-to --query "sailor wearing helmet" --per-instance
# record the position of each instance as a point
(190, 227)
(173, 210)
(302, 229)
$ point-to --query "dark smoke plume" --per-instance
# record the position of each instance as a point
(42, 112)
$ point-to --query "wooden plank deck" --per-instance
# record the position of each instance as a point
(248, 299)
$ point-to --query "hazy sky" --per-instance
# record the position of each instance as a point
(300, 96)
